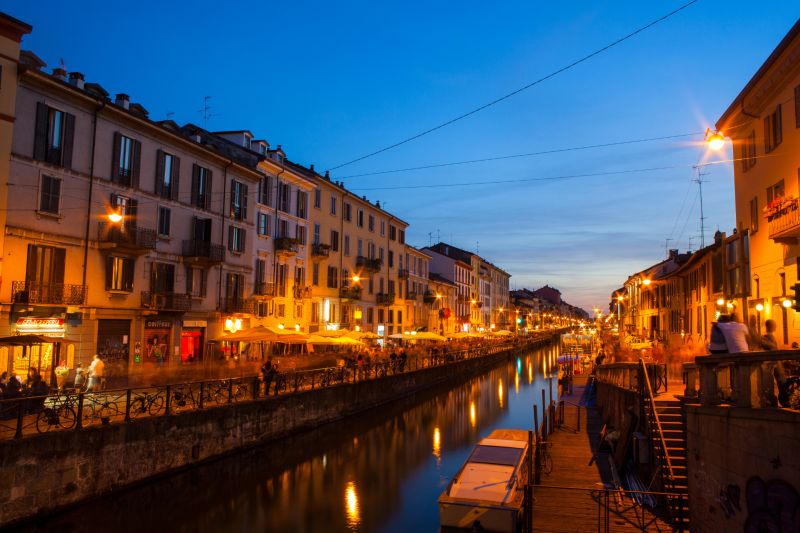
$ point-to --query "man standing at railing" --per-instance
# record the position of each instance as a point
(736, 334)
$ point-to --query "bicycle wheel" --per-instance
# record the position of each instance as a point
(156, 405)
(66, 417)
(138, 406)
(46, 420)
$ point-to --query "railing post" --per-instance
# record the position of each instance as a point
(128, 405)
(79, 415)
(256, 387)
(230, 390)
(709, 394)
(168, 403)
(20, 410)
(201, 402)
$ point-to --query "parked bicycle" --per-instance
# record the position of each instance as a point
(147, 403)
(58, 413)
(99, 406)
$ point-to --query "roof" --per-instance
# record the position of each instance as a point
(439, 279)
(761, 72)
(13, 28)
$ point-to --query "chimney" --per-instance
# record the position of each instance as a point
(60, 73)
(76, 79)
(673, 253)
(719, 237)
(311, 168)
(378, 204)
(328, 175)
(123, 100)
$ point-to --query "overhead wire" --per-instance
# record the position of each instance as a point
(521, 89)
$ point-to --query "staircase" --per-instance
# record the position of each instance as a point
(673, 428)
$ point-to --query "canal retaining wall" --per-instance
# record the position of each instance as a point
(44, 472)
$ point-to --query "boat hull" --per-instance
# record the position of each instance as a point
(464, 515)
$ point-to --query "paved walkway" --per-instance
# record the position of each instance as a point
(571, 499)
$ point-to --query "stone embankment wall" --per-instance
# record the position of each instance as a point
(743, 468)
(614, 402)
(45, 472)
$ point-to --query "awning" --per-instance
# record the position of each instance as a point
(258, 333)
(27, 340)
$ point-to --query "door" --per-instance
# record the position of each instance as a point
(44, 274)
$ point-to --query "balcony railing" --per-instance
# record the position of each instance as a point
(205, 251)
(402, 273)
(166, 300)
(368, 265)
(287, 245)
(784, 222)
(429, 297)
(411, 295)
(320, 250)
(350, 293)
(385, 298)
(238, 305)
(301, 292)
(34, 292)
(128, 236)
(264, 289)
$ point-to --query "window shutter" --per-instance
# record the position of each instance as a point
(244, 202)
(230, 238)
(208, 189)
(159, 185)
(136, 157)
(40, 136)
(69, 136)
(31, 273)
(243, 241)
(176, 173)
(128, 266)
(115, 157)
(109, 272)
(133, 211)
(232, 204)
(195, 184)
(778, 125)
(207, 229)
(59, 261)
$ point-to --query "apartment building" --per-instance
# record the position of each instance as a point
(763, 122)
(128, 235)
(419, 298)
(443, 293)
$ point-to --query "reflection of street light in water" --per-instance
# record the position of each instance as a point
(472, 417)
(351, 506)
(437, 445)
(500, 392)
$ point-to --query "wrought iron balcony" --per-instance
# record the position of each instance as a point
(385, 298)
(203, 251)
(368, 265)
(238, 305)
(429, 297)
(127, 236)
(402, 273)
(784, 220)
(265, 288)
(34, 292)
(166, 300)
(287, 245)
(350, 293)
(320, 250)
(301, 292)
(411, 295)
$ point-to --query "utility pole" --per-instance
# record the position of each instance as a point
(699, 182)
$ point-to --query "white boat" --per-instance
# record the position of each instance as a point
(488, 493)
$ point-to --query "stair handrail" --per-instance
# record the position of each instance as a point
(649, 393)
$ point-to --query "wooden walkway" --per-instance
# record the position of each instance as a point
(571, 499)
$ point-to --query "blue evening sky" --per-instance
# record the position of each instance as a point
(331, 81)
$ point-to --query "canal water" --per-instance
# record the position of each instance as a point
(380, 472)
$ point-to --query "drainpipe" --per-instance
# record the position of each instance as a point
(275, 230)
(89, 202)
(222, 227)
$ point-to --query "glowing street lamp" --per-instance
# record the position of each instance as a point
(115, 217)
(715, 139)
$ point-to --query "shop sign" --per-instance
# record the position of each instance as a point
(195, 324)
(157, 324)
(48, 327)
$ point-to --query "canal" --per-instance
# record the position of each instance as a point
(380, 472)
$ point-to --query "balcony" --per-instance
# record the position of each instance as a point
(485, 274)
(385, 298)
(286, 246)
(402, 273)
(203, 252)
(411, 295)
(264, 289)
(301, 293)
(368, 265)
(167, 301)
(128, 237)
(350, 293)
(34, 292)
(320, 251)
(783, 218)
(238, 305)
(429, 297)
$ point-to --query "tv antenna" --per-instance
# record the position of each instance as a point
(205, 112)
(699, 182)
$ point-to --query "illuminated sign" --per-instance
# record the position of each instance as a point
(49, 327)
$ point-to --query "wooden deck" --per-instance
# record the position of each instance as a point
(571, 499)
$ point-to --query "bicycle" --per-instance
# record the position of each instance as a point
(147, 403)
(59, 415)
(97, 405)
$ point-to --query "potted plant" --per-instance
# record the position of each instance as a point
(62, 371)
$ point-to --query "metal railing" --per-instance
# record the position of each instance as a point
(367, 264)
(129, 235)
(320, 250)
(385, 298)
(213, 253)
(238, 305)
(35, 292)
(266, 288)
(287, 245)
(627, 376)
(166, 300)
(300, 293)
(70, 409)
(350, 293)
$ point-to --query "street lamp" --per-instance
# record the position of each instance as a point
(715, 139)
(115, 217)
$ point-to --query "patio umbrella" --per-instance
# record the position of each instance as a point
(358, 335)
(427, 336)
(257, 333)
(503, 333)
(332, 333)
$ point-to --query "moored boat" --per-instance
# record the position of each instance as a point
(487, 493)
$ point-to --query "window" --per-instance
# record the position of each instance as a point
(391, 259)
(163, 221)
(315, 312)
(126, 159)
(334, 240)
(333, 205)
(370, 315)
(238, 209)
(775, 191)
(360, 246)
(167, 170)
(317, 198)
(201, 187)
(300, 234)
(371, 225)
(283, 228)
(234, 287)
(347, 211)
(302, 204)
(347, 245)
(392, 232)
(316, 233)
(280, 280)
(195, 281)
(281, 311)
(126, 207)
(265, 190)
(749, 152)
(284, 194)
(360, 218)
(383, 228)
(236, 238)
(263, 224)
(333, 279)
(298, 311)
(50, 195)
(119, 273)
(315, 274)
(162, 278)
(773, 130)
(53, 137)
(754, 214)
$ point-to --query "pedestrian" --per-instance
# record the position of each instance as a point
(717, 343)
(3, 384)
(768, 340)
(96, 374)
(14, 386)
(80, 377)
(267, 373)
(735, 333)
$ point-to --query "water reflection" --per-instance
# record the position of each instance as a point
(381, 471)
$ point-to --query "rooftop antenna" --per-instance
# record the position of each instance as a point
(430, 238)
(477, 248)
(438, 235)
(170, 114)
(206, 111)
(690, 242)
(699, 182)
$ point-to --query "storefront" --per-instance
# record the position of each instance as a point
(157, 340)
(192, 341)
(22, 353)
(113, 344)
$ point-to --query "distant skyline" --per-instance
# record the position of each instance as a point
(334, 82)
